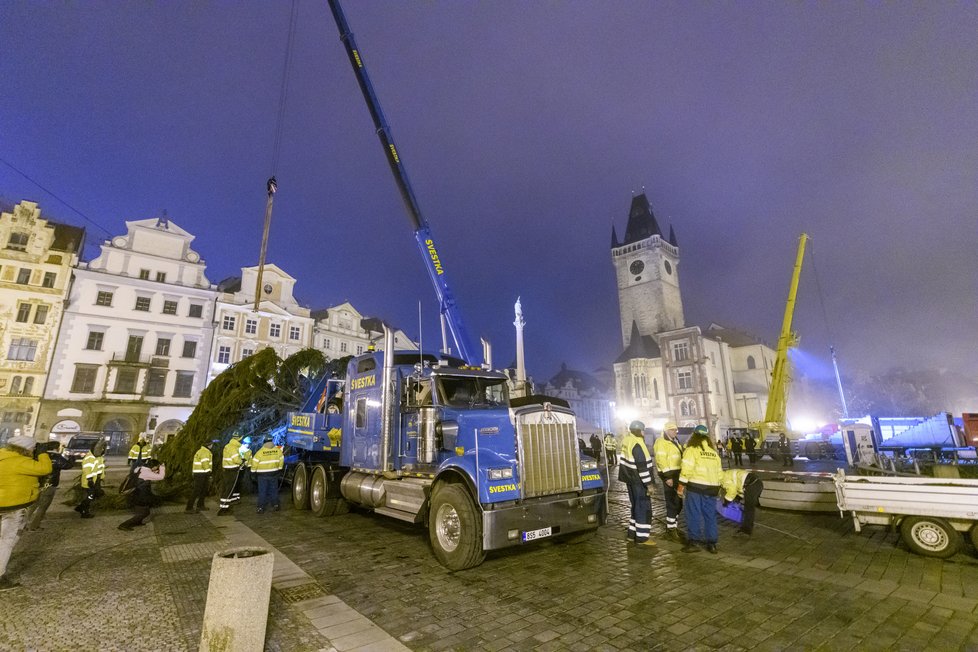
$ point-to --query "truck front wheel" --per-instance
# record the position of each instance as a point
(300, 486)
(930, 536)
(455, 529)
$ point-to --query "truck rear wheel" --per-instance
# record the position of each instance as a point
(324, 494)
(300, 486)
(455, 529)
(930, 536)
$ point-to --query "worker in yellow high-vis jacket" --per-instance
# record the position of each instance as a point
(267, 464)
(203, 466)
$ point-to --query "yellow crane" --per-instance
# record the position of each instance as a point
(777, 402)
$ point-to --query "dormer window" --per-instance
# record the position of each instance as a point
(18, 241)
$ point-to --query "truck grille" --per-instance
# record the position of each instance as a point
(549, 462)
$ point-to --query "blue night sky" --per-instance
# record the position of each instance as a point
(525, 127)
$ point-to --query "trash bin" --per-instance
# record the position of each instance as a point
(237, 601)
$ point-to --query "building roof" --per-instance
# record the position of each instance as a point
(580, 380)
(640, 347)
(67, 238)
(731, 336)
(230, 285)
(641, 221)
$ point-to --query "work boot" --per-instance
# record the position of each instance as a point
(277, 508)
(673, 534)
(260, 510)
(190, 510)
(88, 515)
(125, 528)
(647, 542)
(6, 583)
(691, 547)
(224, 512)
(711, 548)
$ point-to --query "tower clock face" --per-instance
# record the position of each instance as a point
(668, 267)
(636, 267)
(268, 288)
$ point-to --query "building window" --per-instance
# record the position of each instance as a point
(655, 388)
(251, 326)
(28, 386)
(144, 274)
(685, 380)
(134, 348)
(23, 313)
(189, 349)
(275, 330)
(359, 349)
(228, 323)
(103, 299)
(23, 349)
(94, 341)
(156, 382)
(750, 362)
(161, 277)
(196, 310)
(295, 333)
(224, 354)
(342, 347)
(84, 380)
(687, 408)
(41, 314)
(142, 304)
(247, 353)
(716, 384)
(15, 386)
(49, 280)
(23, 277)
(169, 307)
(326, 343)
(125, 380)
(184, 385)
(680, 351)
(162, 348)
(18, 241)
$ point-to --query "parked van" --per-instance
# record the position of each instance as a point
(79, 445)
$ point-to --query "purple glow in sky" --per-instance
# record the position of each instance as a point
(525, 127)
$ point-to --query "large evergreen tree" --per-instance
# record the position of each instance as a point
(251, 397)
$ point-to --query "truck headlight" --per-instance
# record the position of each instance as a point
(588, 465)
(501, 474)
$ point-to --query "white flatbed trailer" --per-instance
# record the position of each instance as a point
(932, 512)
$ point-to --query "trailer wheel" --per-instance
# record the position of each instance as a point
(324, 494)
(930, 536)
(300, 486)
(455, 529)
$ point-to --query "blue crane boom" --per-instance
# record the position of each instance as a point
(422, 232)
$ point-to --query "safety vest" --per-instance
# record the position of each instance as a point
(268, 460)
(701, 469)
(232, 454)
(668, 454)
(733, 483)
(203, 460)
(100, 469)
(634, 459)
(89, 470)
(609, 442)
(139, 451)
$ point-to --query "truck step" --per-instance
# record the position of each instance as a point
(398, 514)
(405, 496)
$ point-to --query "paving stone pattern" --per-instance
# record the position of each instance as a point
(802, 582)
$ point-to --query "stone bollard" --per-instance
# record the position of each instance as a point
(237, 601)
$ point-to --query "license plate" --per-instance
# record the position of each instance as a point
(532, 535)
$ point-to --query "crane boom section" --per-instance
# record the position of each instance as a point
(781, 376)
(422, 232)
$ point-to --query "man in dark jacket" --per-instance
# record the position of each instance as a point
(143, 498)
(596, 446)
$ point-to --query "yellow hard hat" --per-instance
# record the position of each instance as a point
(670, 426)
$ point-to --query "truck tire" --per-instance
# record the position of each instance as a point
(455, 529)
(300, 486)
(324, 494)
(930, 536)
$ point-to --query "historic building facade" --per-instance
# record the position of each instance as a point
(341, 330)
(669, 371)
(35, 273)
(133, 352)
(587, 395)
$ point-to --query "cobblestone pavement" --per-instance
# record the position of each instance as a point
(801, 582)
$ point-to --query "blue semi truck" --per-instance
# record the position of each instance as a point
(435, 438)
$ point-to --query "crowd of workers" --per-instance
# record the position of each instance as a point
(693, 481)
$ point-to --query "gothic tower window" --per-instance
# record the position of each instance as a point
(750, 362)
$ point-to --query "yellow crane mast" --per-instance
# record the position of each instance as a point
(777, 402)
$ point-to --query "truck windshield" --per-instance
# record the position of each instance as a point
(470, 392)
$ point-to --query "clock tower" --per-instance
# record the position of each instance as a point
(647, 270)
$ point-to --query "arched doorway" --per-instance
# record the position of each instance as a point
(166, 430)
(119, 435)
